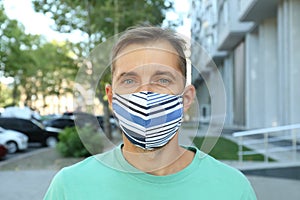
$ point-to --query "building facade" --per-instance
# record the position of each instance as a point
(256, 47)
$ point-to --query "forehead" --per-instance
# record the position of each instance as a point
(159, 53)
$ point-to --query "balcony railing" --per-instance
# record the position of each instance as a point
(269, 141)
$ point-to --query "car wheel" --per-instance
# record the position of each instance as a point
(12, 147)
(51, 141)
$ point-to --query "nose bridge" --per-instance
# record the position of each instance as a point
(145, 82)
(145, 86)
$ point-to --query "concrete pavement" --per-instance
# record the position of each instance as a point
(24, 185)
(275, 188)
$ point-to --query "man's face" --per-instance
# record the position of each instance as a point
(148, 67)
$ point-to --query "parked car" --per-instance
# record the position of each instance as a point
(13, 140)
(113, 122)
(32, 128)
(58, 124)
(69, 119)
(82, 118)
(3, 151)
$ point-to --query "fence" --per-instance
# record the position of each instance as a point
(269, 141)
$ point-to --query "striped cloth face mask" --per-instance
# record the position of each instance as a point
(149, 120)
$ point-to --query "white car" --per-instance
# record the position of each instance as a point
(13, 140)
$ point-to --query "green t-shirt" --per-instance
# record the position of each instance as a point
(110, 176)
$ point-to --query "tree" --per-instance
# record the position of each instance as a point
(54, 72)
(13, 42)
(99, 20)
(37, 67)
(5, 93)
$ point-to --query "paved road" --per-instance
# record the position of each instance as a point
(24, 185)
(31, 148)
(12, 158)
(275, 188)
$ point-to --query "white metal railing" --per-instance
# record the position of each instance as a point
(267, 136)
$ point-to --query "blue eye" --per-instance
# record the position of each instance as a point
(128, 81)
(164, 81)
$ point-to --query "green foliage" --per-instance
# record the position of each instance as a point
(100, 19)
(5, 96)
(13, 42)
(38, 68)
(71, 142)
(54, 71)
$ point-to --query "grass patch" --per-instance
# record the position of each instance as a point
(225, 149)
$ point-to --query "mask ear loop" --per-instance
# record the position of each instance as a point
(186, 84)
(184, 89)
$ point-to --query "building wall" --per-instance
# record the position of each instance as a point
(261, 68)
(263, 77)
(289, 59)
(204, 16)
(239, 85)
(228, 83)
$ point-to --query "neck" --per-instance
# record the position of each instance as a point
(166, 160)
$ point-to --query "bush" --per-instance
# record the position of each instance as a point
(86, 143)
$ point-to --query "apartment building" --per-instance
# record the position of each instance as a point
(255, 45)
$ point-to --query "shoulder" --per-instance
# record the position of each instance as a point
(84, 165)
(222, 176)
(91, 166)
(85, 176)
(76, 171)
(218, 170)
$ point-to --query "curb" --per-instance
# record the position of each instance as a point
(24, 156)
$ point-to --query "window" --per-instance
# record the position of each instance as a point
(27, 125)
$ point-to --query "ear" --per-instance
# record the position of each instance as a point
(108, 91)
(188, 97)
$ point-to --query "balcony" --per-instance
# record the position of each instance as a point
(231, 34)
(230, 30)
(257, 10)
(214, 55)
(218, 56)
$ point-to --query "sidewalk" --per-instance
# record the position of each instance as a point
(25, 185)
(275, 188)
(27, 176)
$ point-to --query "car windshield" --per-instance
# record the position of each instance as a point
(38, 124)
(2, 129)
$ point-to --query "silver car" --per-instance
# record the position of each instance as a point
(13, 140)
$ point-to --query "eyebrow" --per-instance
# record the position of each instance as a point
(124, 74)
(157, 73)
(167, 73)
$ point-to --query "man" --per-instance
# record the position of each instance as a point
(148, 96)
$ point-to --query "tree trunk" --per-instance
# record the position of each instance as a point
(106, 123)
(15, 94)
